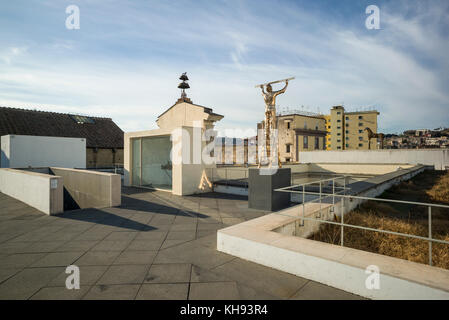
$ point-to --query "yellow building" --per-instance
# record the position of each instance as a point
(327, 119)
(339, 130)
(346, 130)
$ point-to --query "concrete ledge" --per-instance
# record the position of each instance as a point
(91, 189)
(270, 240)
(41, 191)
(336, 266)
(438, 158)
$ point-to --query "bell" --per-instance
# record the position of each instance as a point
(183, 85)
(184, 77)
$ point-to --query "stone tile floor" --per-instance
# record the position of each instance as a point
(154, 246)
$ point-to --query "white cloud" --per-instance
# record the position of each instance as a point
(9, 54)
(401, 69)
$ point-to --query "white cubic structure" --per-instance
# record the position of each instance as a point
(21, 151)
(177, 156)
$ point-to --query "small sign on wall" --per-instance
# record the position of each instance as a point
(53, 184)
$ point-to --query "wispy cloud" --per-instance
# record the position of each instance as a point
(125, 59)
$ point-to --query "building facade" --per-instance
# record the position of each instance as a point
(299, 132)
(104, 139)
(347, 130)
(339, 130)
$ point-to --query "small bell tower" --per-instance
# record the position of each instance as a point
(183, 86)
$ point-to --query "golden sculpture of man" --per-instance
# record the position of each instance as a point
(270, 104)
(270, 122)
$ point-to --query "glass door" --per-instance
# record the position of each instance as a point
(151, 162)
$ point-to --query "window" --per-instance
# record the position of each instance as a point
(287, 148)
(338, 134)
(360, 124)
(338, 120)
(338, 140)
(338, 112)
(347, 138)
(360, 138)
(287, 159)
(316, 127)
(329, 127)
(347, 145)
(306, 142)
(347, 118)
(360, 117)
(317, 143)
(82, 119)
(338, 148)
(360, 144)
(360, 131)
(347, 125)
(347, 131)
(288, 125)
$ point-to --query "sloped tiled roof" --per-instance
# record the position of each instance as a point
(102, 133)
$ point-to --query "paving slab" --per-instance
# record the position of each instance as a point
(60, 293)
(27, 282)
(89, 276)
(76, 245)
(154, 246)
(163, 291)
(112, 292)
(214, 291)
(135, 257)
(142, 245)
(317, 291)
(124, 274)
(169, 273)
(278, 284)
(7, 273)
(111, 245)
(20, 260)
(97, 258)
(58, 259)
(203, 275)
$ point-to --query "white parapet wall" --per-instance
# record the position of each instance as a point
(273, 240)
(91, 189)
(439, 158)
(41, 191)
(336, 266)
(20, 151)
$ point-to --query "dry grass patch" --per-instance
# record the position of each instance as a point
(429, 186)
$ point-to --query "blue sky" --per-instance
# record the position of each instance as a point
(125, 60)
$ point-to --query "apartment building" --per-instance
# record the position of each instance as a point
(347, 130)
(299, 132)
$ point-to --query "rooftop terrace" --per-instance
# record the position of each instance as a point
(154, 246)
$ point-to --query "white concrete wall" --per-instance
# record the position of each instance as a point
(439, 158)
(41, 191)
(186, 175)
(23, 151)
(338, 267)
(91, 189)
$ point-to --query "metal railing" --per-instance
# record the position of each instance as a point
(350, 197)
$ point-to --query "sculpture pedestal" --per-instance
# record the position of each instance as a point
(262, 182)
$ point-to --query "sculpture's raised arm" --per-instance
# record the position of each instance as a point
(283, 89)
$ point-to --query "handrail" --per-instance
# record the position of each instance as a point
(344, 196)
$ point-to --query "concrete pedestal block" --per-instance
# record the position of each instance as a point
(262, 182)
